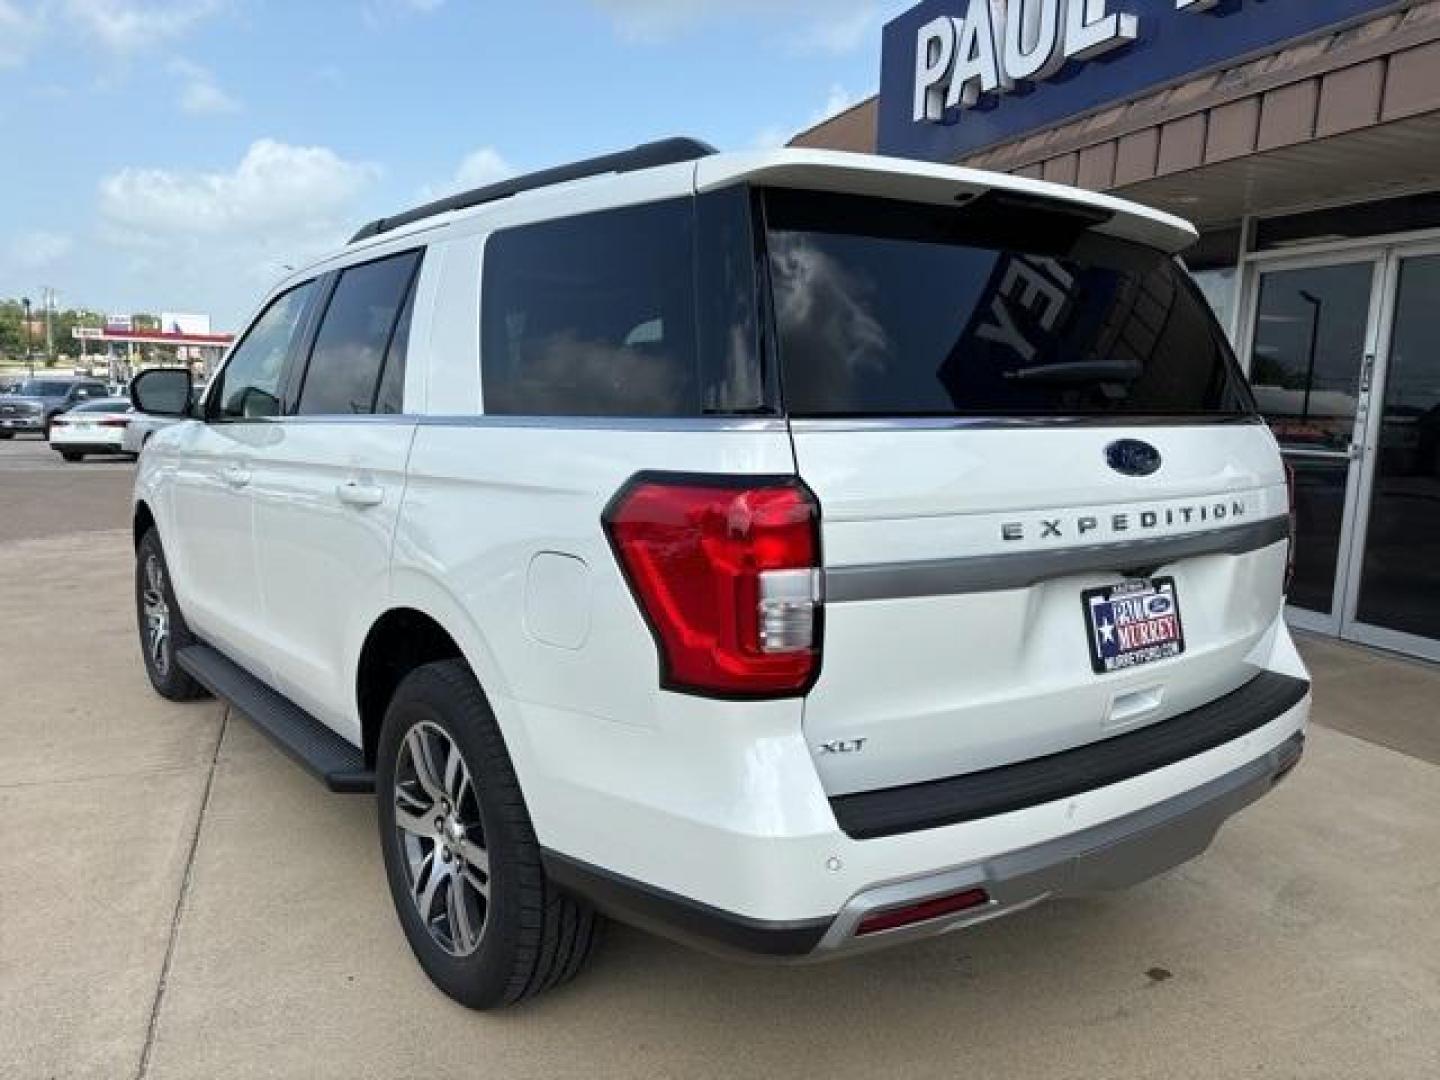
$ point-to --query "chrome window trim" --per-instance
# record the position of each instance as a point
(1018, 570)
(816, 425)
(725, 423)
(612, 423)
(552, 423)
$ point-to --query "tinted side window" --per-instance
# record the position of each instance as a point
(249, 383)
(390, 398)
(593, 315)
(354, 336)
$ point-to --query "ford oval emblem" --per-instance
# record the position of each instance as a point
(1133, 457)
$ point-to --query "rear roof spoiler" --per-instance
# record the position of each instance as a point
(944, 185)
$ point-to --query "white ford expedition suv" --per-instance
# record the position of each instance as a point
(788, 552)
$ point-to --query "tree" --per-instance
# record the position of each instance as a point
(12, 328)
(67, 347)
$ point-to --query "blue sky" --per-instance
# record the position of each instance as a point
(176, 154)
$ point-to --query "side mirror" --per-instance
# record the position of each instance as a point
(257, 404)
(162, 392)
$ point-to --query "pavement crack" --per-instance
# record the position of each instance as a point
(153, 1027)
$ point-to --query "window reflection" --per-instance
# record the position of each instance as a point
(1400, 582)
(893, 309)
(1309, 348)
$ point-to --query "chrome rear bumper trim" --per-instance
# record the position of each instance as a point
(993, 573)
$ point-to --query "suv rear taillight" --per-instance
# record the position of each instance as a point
(726, 571)
(1290, 548)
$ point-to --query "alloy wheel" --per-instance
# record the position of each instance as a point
(437, 824)
(157, 616)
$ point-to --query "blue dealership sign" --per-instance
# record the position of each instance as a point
(960, 75)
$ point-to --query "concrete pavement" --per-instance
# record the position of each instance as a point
(178, 900)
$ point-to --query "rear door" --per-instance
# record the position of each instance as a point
(1050, 514)
(327, 488)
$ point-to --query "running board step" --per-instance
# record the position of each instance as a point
(313, 745)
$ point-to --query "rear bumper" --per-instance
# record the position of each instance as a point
(22, 423)
(87, 447)
(977, 795)
(1115, 855)
(1151, 838)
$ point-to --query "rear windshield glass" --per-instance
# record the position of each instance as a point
(110, 405)
(998, 308)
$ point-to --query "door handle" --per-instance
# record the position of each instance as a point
(355, 493)
(237, 476)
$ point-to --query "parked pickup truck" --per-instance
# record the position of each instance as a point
(35, 402)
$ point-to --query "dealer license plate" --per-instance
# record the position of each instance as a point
(1133, 623)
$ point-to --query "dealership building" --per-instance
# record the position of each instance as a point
(1302, 137)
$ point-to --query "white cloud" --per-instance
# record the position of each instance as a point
(275, 187)
(125, 27)
(200, 94)
(476, 169)
(38, 249)
(483, 166)
(834, 26)
(378, 12)
(17, 32)
(771, 138)
(215, 241)
(837, 101)
(777, 135)
(842, 34)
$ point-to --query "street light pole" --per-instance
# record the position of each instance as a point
(49, 325)
(29, 358)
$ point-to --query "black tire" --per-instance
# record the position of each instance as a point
(72, 456)
(166, 676)
(532, 936)
(5, 435)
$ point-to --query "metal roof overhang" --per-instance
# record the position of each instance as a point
(1370, 163)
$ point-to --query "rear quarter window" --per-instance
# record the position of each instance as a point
(641, 311)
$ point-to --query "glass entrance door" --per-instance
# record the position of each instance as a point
(1345, 360)
(1394, 600)
(1311, 361)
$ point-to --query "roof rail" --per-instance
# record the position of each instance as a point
(646, 156)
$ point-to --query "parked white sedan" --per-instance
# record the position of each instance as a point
(93, 427)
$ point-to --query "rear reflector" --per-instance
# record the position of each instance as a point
(924, 911)
(726, 572)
